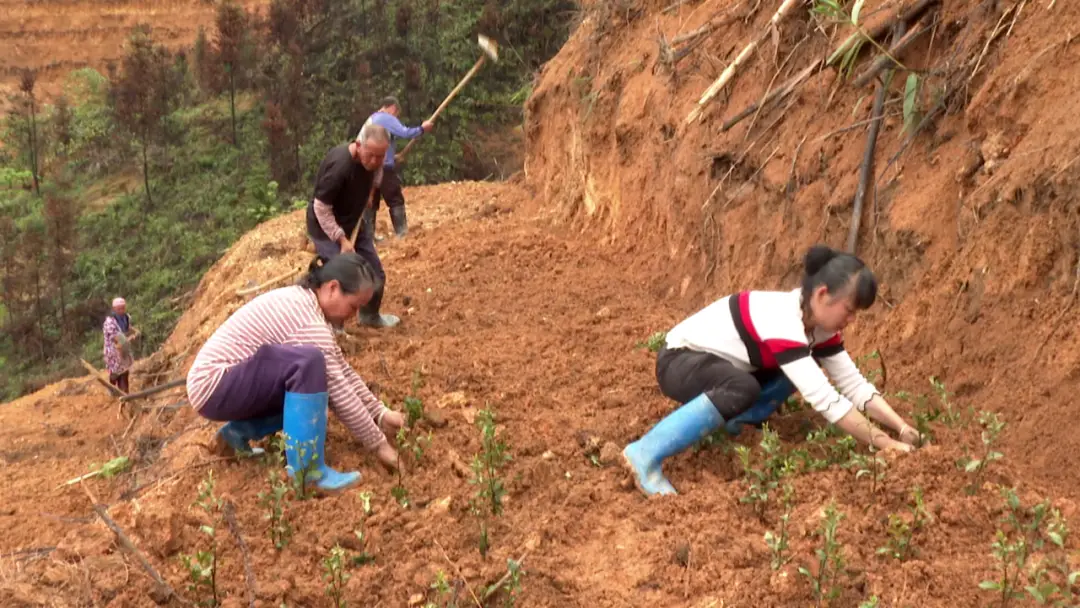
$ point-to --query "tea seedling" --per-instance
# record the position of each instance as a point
(901, 532)
(778, 543)
(361, 531)
(766, 479)
(445, 594)
(1053, 582)
(870, 603)
(870, 465)
(409, 441)
(486, 465)
(274, 500)
(992, 427)
(335, 575)
(301, 480)
(202, 567)
(1012, 549)
(654, 342)
(830, 559)
(510, 584)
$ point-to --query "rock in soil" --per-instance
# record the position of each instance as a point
(610, 454)
(682, 554)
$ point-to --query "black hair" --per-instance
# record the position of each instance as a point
(349, 269)
(836, 270)
(388, 101)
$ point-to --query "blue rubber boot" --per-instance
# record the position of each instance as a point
(773, 394)
(239, 433)
(305, 442)
(677, 431)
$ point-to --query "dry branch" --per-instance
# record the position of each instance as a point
(279, 278)
(885, 61)
(779, 93)
(164, 587)
(116, 392)
(908, 15)
(446, 556)
(867, 170)
(502, 581)
(729, 72)
(154, 389)
(249, 573)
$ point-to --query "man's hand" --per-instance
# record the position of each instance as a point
(388, 457)
(428, 126)
(346, 245)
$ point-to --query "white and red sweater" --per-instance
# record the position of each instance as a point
(291, 316)
(764, 330)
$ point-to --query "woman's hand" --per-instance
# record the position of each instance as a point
(391, 422)
(388, 457)
(911, 437)
(897, 446)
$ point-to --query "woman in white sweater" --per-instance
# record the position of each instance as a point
(737, 359)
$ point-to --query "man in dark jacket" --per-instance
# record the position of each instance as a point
(343, 187)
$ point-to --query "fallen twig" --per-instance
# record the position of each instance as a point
(793, 179)
(674, 6)
(116, 392)
(867, 170)
(990, 40)
(164, 588)
(729, 73)
(249, 574)
(907, 15)
(780, 92)
(281, 277)
(502, 581)
(926, 120)
(460, 575)
(883, 62)
(154, 389)
(157, 482)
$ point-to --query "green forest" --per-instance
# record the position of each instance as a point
(135, 181)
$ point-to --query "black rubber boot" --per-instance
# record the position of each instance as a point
(368, 229)
(401, 223)
(369, 315)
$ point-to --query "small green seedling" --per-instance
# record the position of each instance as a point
(203, 566)
(335, 575)
(654, 342)
(762, 481)
(510, 585)
(1055, 583)
(778, 543)
(870, 603)
(302, 479)
(444, 593)
(486, 466)
(992, 427)
(830, 559)
(275, 499)
(1013, 545)
(901, 531)
(361, 531)
(872, 466)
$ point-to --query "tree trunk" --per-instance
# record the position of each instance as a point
(232, 102)
(39, 314)
(146, 171)
(33, 146)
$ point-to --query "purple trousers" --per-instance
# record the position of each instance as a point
(256, 388)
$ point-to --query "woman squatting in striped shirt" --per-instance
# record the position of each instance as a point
(738, 359)
(274, 365)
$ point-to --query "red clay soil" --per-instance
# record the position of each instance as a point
(55, 37)
(543, 327)
(532, 299)
(974, 233)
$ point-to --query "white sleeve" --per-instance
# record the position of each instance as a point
(849, 379)
(812, 384)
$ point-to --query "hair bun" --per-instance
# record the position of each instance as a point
(817, 257)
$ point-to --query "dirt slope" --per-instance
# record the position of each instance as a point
(502, 311)
(974, 232)
(55, 37)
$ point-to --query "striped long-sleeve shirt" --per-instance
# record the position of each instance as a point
(290, 316)
(764, 330)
